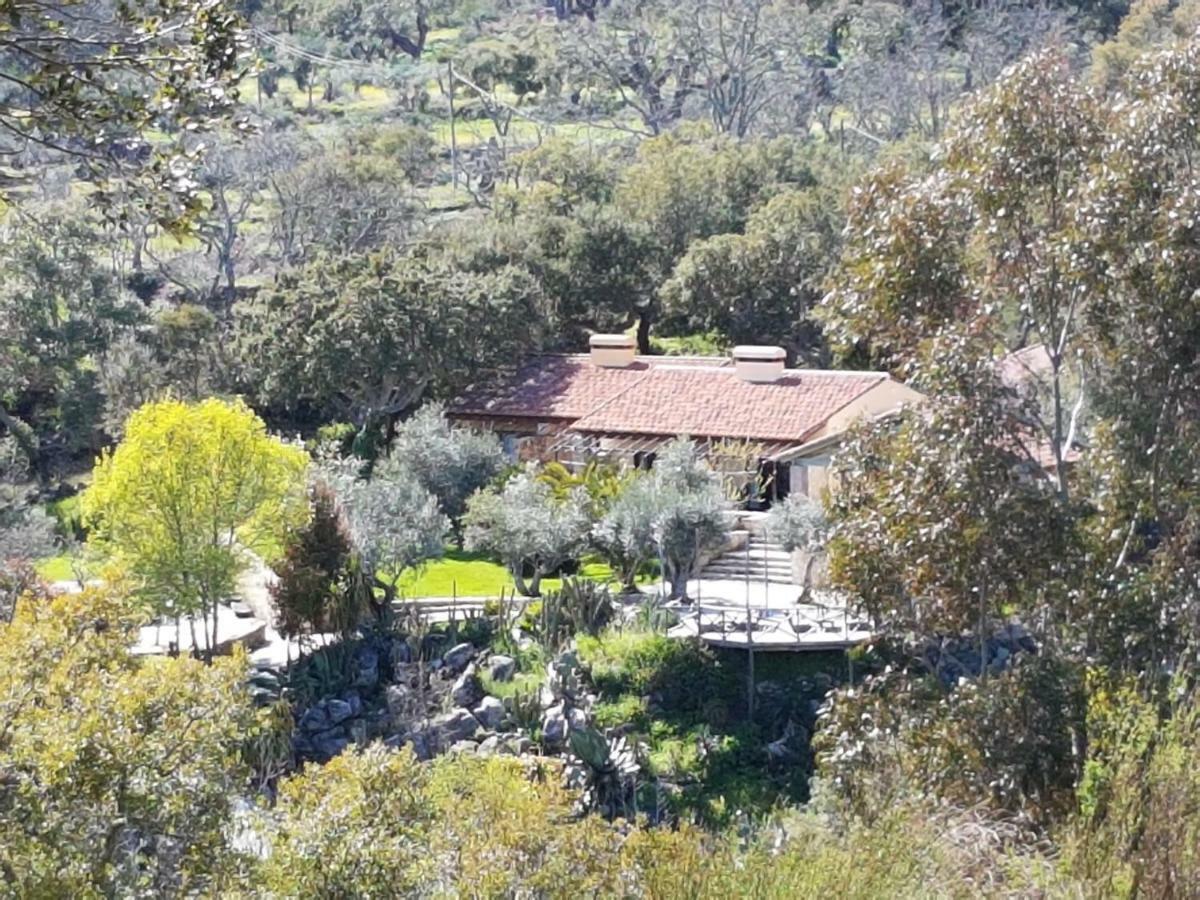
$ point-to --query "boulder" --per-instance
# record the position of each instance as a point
(467, 691)
(489, 712)
(554, 726)
(456, 658)
(502, 668)
(491, 744)
(401, 701)
(338, 710)
(315, 718)
(463, 747)
(367, 672)
(456, 725)
(417, 740)
(328, 744)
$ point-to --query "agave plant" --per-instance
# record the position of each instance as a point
(605, 772)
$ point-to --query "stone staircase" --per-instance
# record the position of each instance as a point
(761, 559)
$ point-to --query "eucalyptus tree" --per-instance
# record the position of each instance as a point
(1060, 216)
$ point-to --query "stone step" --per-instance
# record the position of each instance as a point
(751, 559)
(735, 572)
(753, 553)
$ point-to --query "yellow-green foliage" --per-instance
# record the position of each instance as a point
(98, 748)
(1137, 832)
(378, 823)
(186, 483)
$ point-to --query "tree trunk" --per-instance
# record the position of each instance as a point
(643, 332)
(212, 644)
(678, 576)
(525, 589)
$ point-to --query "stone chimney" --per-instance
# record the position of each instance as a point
(612, 351)
(759, 364)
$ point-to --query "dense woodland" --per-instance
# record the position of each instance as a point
(246, 249)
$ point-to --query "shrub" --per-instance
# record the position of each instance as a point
(311, 594)
(1005, 741)
(1137, 831)
(683, 676)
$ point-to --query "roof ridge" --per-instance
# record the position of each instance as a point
(808, 435)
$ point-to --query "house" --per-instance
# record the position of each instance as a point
(612, 404)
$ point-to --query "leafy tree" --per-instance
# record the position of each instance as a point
(760, 287)
(1055, 218)
(378, 28)
(89, 80)
(187, 486)
(340, 203)
(365, 339)
(943, 521)
(26, 533)
(448, 461)
(410, 147)
(635, 50)
(592, 266)
(60, 311)
(1008, 741)
(119, 774)
(690, 185)
(524, 526)
(624, 533)
(394, 523)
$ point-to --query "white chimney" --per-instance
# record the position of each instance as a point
(612, 351)
(759, 364)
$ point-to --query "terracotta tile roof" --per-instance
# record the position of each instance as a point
(1030, 363)
(702, 397)
(548, 387)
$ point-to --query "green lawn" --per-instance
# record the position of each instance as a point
(57, 568)
(463, 574)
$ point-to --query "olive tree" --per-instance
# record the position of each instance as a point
(450, 462)
(624, 534)
(393, 522)
(526, 527)
(690, 523)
